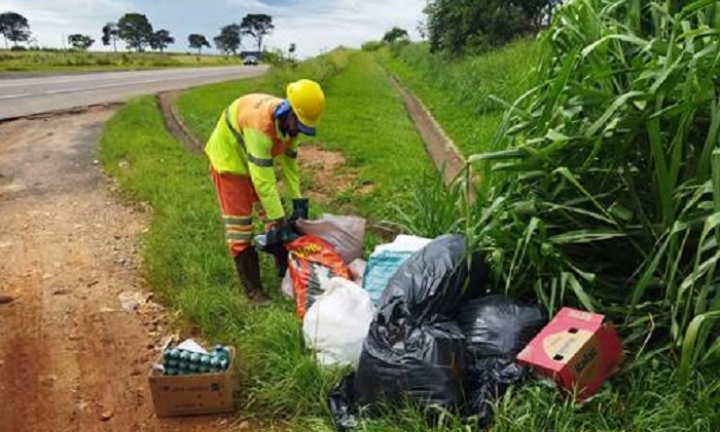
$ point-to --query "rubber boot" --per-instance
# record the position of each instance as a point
(247, 265)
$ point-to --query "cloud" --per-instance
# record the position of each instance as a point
(317, 25)
(313, 25)
(51, 21)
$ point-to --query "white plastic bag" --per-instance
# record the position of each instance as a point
(335, 326)
(357, 269)
(287, 286)
(344, 233)
(403, 243)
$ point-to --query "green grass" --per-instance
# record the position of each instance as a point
(458, 92)
(59, 61)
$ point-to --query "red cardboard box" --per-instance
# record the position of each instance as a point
(578, 350)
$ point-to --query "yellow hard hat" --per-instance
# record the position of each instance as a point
(307, 100)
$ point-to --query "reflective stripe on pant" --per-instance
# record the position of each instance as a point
(237, 197)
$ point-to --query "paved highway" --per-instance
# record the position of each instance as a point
(37, 95)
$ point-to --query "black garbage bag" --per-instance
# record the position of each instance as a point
(428, 286)
(414, 351)
(478, 279)
(425, 366)
(499, 325)
(496, 328)
(486, 381)
(431, 343)
(342, 404)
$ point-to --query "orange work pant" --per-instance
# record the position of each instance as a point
(237, 198)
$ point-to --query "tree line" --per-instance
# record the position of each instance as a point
(458, 27)
(138, 33)
(465, 26)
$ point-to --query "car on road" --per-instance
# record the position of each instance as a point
(250, 61)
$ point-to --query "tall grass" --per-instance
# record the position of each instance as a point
(610, 186)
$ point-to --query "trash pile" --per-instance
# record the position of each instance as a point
(417, 324)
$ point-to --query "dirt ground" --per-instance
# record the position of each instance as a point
(72, 358)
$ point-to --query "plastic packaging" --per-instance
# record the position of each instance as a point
(337, 323)
(385, 260)
(344, 233)
(312, 263)
(287, 286)
(357, 268)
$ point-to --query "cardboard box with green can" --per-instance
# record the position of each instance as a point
(579, 350)
(196, 394)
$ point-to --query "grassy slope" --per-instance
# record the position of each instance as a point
(457, 91)
(59, 61)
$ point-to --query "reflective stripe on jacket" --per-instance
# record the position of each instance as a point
(246, 141)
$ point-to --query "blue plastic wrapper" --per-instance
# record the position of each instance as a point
(380, 268)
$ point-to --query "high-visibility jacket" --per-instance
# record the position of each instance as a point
(247, 141)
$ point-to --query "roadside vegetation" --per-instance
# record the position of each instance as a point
(600, 190)
(59, 61)
(135, 32)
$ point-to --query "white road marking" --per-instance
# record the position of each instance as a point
(106, 76)
(118, 84)
(14, 96)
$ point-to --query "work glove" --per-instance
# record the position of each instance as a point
(277, 235)
(301, 208)
(279, 232)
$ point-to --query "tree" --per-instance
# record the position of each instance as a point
(135, 30)
(161, 39)
(110, 34)
(198, 41)
(14, 27)
(81, 42)
(228, 41)
(258, 26)
(459, 26)
(421, 29)
(396, 34)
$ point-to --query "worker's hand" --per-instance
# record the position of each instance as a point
(276, 224)
(279, 231)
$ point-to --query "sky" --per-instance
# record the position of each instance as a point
(313, 25)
